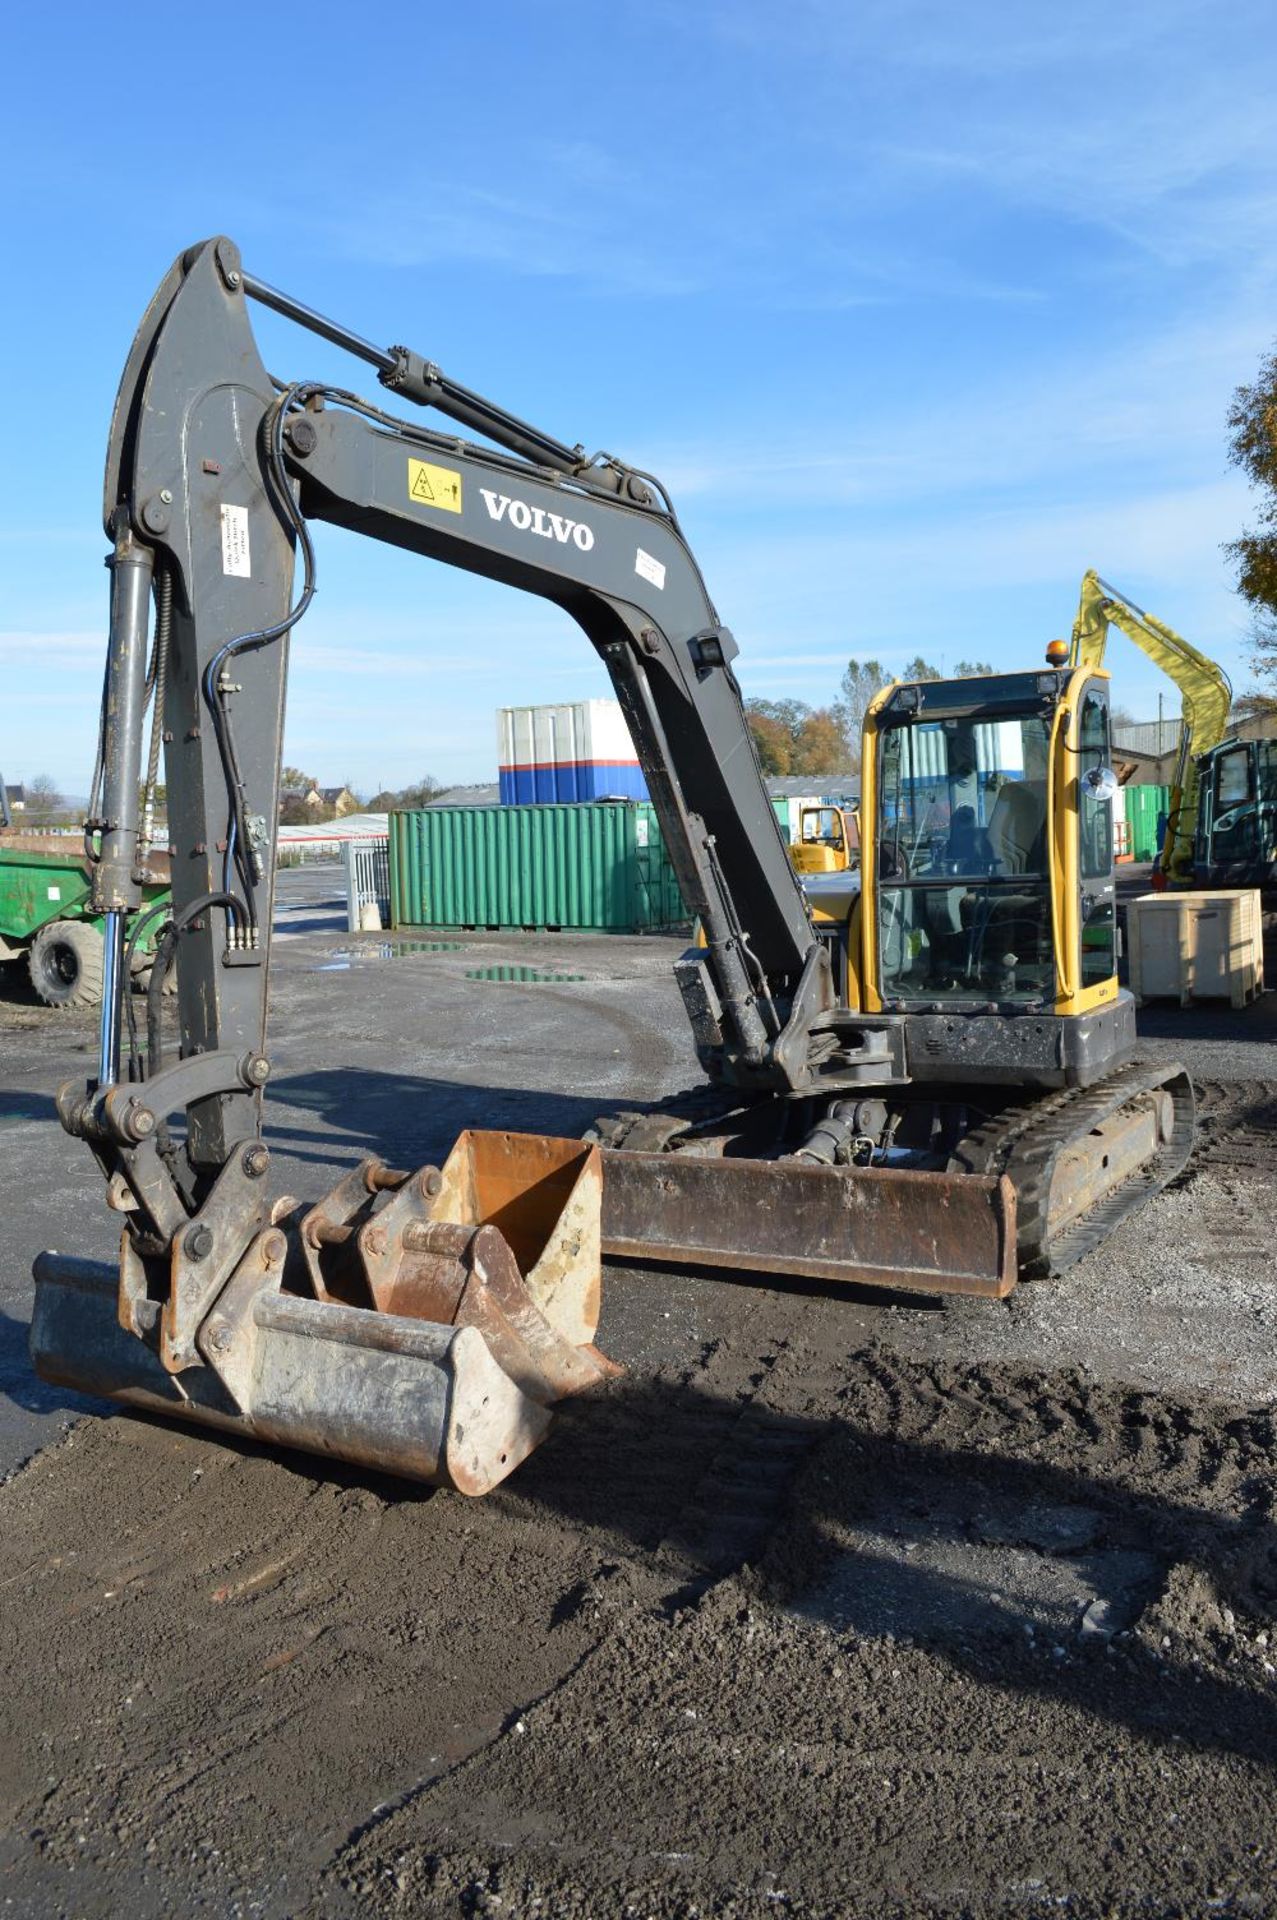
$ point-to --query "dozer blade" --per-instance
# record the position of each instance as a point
(875, 1227)
(421, 1324)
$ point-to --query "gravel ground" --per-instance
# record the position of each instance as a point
(827, 1607)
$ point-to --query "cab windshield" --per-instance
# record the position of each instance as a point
(964, 888)
(822, 826)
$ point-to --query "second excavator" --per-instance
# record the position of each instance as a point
(920, 1075)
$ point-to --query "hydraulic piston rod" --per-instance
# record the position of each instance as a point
(407, 373)
(116, 891)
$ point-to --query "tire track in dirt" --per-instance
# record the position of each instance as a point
(253, 1645)
(741, 1754)
(1236, 1131)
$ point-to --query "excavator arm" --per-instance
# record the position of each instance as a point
(422, 1321)
(1206, 695)
(213, 477)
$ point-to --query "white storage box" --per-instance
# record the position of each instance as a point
(1196, 946)
(578, 750)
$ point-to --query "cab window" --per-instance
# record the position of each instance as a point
(1232, 779)
(1097, 815)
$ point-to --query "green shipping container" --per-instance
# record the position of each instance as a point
(601, 867)
(1144, 807)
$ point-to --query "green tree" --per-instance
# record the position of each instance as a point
(1252, 446)
(860, 683)
(44, 800)
(773, 738)
(820, 743)
(965, 670)
(1254, 705)
(792, 737)
(919, 669)
(420, 794)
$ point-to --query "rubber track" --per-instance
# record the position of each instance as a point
(1025, 1142)
(631, 1131)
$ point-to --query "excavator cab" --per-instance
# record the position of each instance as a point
(979, 940)
(828, 839)
(993, 855)
(1236, 834)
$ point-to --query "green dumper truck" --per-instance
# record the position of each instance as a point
(45, 917)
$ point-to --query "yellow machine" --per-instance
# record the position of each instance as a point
(918, 1075)
(1206, 693)
(828, 839)
(982, 925)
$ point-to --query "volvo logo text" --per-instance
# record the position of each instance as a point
(550, 526)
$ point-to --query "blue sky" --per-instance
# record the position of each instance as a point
(919, 309)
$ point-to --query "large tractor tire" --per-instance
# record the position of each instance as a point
(67, 963)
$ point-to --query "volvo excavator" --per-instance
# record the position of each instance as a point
(920, 1075)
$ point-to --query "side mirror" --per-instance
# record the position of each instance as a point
(1101, 783)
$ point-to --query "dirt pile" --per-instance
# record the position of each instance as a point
(754, 1753)
(772, 1632)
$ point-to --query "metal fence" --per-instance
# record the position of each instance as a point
(366, 864)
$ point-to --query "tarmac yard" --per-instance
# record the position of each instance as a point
(827, 1607)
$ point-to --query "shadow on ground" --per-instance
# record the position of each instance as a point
(407, 1118)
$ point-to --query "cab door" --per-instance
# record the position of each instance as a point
(1097, 889)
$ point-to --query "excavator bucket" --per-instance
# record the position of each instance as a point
(423, 1324)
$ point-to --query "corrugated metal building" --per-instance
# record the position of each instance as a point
(1151, 737)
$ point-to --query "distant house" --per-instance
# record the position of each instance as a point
(17, 798)
(315, 800)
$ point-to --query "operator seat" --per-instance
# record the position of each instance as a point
(1015, 825)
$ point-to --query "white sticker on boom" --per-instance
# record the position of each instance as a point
(235, 555)
(649, 569)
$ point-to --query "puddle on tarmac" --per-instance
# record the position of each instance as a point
(344, 958)
(391, 949)
(520, 974)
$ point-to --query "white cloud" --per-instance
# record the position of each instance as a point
(1158, 404)
(44, 652)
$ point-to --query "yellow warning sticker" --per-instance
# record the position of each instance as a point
(434, 486)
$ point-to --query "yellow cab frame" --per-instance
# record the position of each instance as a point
(1065, 770)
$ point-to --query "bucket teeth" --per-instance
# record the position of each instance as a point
(422, 1324)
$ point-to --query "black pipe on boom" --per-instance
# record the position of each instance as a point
(407, 373)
